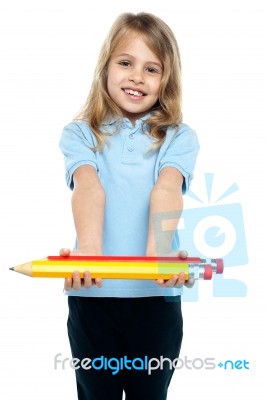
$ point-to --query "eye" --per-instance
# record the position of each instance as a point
(153, 70)
(124, 63)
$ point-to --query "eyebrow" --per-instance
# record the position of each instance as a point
(147, 62)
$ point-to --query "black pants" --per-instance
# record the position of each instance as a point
(136, 328)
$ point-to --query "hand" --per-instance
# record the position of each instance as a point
(76, 282)
(177, 281)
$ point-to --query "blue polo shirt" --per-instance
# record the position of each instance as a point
(128, 172)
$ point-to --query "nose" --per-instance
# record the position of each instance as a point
(136, 75)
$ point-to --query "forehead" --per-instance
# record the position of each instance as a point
(136, 45)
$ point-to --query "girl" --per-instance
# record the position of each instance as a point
(129, 158)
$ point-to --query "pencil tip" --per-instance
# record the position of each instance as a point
(12, 268)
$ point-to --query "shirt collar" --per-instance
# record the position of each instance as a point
(112, 119)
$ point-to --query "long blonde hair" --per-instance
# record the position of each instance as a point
(161, 40)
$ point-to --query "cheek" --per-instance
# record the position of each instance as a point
(114, 76)
(155, 85)
(112, 85)
(156, 89)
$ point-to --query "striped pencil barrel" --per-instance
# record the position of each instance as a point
(121, 267)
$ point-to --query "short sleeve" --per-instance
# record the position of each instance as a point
(76, 144)
(180, 151)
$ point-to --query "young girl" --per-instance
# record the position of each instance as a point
(128, 159)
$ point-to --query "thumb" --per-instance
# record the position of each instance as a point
(64, 252)
(183, 254)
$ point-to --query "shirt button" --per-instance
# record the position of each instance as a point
(124, 125)
(131, 148)
(131, 136)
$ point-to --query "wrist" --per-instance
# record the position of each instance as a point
(88, 251)
(148, 254)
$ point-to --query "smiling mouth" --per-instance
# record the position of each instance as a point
(134, 92)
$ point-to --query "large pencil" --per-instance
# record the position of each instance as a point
(217, 263)
(118, 267)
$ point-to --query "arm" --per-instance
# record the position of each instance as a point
(166, 196)
(88, 202)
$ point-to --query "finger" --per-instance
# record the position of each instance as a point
(181, 278)
(64, 252)
(159, 281)
(68, 284)
(98, 282)
(183, 254)
(87, 282)
(180, 281)
(76, 280)
(169, 283)
(190, 283)
(172, 281)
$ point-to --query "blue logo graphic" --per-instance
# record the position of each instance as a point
(214, 231)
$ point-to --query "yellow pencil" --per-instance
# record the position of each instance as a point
(114, 268)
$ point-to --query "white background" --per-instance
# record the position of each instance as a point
(48, 53)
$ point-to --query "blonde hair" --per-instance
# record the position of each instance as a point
(161, 40)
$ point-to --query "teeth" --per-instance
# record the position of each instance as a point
(134, 92)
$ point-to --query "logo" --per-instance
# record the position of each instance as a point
(116, 365)
(212, 230)
(230, 364)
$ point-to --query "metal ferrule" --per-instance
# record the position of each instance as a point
(196, 271)
(211, 262)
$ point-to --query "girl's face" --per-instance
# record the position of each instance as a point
(134, 77)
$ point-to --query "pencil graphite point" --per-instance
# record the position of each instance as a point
(24, 269)
(12, 268)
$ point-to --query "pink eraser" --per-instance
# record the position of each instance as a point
(219, 266)
(207, 272)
